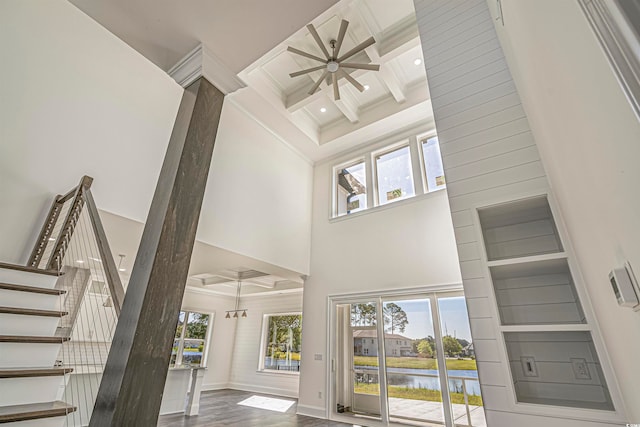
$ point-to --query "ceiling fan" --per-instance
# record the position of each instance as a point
(333, 63)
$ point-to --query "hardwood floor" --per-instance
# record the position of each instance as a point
(220, 408)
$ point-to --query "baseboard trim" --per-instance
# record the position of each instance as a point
(266, 390)
(215, 386)
(312, 411)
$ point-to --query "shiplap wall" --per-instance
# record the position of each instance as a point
(489, 155)
(246, 350)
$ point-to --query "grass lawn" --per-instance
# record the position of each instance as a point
(416, 363)
(417, 394)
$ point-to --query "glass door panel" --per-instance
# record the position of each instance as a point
(413, 378)
(462, 371)
(357, 370)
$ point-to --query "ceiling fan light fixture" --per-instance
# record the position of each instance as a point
(334, 66)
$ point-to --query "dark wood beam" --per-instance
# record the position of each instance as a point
(133, 381)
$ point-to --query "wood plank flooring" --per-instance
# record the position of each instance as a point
(220, 408)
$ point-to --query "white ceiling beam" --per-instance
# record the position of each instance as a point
(347, 105)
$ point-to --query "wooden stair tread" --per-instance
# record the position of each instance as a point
(28, 339)
(29, 269)
(32, 289)
(34, 411)
(32, 312)
(33, 372)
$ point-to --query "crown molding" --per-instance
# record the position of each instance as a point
(201, 62)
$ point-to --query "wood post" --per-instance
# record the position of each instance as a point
(133, 381)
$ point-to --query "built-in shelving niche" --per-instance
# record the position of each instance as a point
(557, 368)
(552, 358)
(519, 229)
(536, 293)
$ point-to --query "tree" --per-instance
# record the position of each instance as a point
(424, 348)
(197, 325)
(394, 317)
(451, 346)
(363, 314)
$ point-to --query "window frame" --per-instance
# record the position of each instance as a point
(390, 148)
(181, 339)
(425, 179)
(264, 341)
(335, 185)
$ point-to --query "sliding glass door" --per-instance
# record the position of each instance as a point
(406, 359)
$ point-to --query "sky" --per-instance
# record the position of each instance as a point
(453, 316)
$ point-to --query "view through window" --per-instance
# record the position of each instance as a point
(191, 339)
(282, 338)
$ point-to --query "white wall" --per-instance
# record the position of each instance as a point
(490, 156)
(403, 245)
(588, 138)
(246, 349)
(76, 100)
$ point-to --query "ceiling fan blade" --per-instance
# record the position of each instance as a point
(316, 36)
(305, 54)
(328, 79)
(365, 44)
(343, 30)
(307, 71)
(352, 80)
(336, 89)
(373, 67)
(316, 85)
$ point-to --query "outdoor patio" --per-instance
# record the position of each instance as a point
(432, 411)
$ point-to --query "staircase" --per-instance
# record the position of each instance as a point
(31, 385)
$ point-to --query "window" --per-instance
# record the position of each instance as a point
(351, 188)
(389, 174)
(189, 346)
(432, 159)
(281, 342)
(394, 175)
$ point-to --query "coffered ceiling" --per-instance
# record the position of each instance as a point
(399, 90)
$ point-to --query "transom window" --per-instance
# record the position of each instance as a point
(281, 342)
(389, 174)
(191, 342)
(394, 175)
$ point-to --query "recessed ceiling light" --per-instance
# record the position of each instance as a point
(79, 261)
(366, 87)
(122, 269)
(323, 110)
(417, 61)
(52, 239)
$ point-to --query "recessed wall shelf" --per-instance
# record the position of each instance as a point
(519, 229)
(549, 343)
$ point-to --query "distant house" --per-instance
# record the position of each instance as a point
(365, 343)
(468, 351)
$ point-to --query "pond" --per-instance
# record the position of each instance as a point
(402, 377)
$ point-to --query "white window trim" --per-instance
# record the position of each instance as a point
(334, 184)
(207, 338)
(619, 43)
(423, 170)
(263, 343)
(374, 169)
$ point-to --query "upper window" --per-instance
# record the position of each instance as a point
(189, 346)
(282, 337)
(351, 192)
(396, 172)
(394, 175)
(432, 159)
